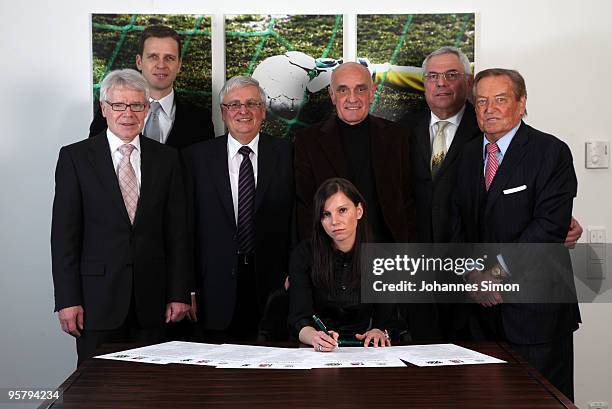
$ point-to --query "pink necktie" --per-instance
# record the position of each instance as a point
(492, 164)
(127, 181)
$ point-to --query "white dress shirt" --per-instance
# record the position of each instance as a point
(234, 159)
(449, 131)
(166, 115)
(114, 143)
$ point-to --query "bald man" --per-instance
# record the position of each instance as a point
(371, 152)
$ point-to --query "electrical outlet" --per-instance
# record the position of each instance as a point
(597, 234)
(598, 405)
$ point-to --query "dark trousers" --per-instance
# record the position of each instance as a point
(129, 331)
(245, 322)
(554, 360)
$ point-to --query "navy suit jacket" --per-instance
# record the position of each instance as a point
(540, 213)
(191, 125)
(216, 245)
(100, 259)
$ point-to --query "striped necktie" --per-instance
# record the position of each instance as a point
(492, 164)
(246, 203)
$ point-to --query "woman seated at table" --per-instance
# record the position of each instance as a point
(324, 274)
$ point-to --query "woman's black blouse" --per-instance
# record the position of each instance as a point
(339, 307)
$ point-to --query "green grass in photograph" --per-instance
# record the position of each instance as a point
(115, 45)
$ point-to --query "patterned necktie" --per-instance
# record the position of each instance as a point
(492, 164)
(246, 200)
(152, 129)
(127, 181)
(438, 150)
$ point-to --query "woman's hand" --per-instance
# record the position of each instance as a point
(378, 338)
(320, 341)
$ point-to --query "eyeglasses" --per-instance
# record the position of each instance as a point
(250, 105)
(120, 106)
(449, 76)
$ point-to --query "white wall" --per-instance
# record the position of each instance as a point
(561, 47)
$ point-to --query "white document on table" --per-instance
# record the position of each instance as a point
(165, 353)
(271, 358)
(441, 355)
(352, 357)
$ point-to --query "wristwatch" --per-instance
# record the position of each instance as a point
(496, 271)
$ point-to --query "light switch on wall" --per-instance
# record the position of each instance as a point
(597, 155)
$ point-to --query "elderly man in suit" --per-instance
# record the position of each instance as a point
(171, 120)
(121, 266)
(438, 135)
(242, 185)
(516, 185)
(370, 152)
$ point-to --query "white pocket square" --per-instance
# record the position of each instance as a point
(515, 189)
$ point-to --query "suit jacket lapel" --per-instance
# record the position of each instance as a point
(220, 175)
(267, 157)
(148, 174)
(467, 129)
(102, 162)
(423, 140)
(331, 146)
(515, 153)
(475, 180)
(380, 155)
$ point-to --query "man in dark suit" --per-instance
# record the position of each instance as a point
(446, 126)
(243, 195)
(447, 80)
(121, 266)
(171, 120)
(516, 185)
(370, 152)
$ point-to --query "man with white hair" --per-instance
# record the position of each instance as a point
(242, 186)
(121, 266)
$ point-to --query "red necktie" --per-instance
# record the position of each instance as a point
(492, 164)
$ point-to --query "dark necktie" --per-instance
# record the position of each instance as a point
(246, 202)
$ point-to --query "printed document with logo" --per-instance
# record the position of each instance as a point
(441, 355)
(165, 353)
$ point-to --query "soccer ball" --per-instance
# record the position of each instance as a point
(285, 79)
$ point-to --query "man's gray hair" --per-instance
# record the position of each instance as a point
(126, 78)
(518, 82)
(449, 50)
(241, 81)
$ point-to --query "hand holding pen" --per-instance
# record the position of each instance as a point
(324, 340)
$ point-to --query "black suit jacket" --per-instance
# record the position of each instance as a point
(99, 258)
(541, 213)
(216, 245)
(319, 156)
(433, 195)
(191, 125)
